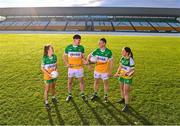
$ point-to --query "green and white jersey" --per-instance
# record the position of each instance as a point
(126, 65)
(49, 64)
(75, 55)
(103, 57)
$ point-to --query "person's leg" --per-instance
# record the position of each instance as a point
(70, 81)
(121, 87)
(53, 92)
(122, 100)
(96, 86)
(82, 85)
(46, 91)
(126, 97)
(122, 90)
(126, 93)
(106, 89)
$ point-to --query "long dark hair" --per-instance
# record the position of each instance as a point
(128, 50)
(46, 48)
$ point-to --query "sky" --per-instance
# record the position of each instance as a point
(91, 3)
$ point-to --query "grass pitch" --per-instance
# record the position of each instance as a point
(155, 98)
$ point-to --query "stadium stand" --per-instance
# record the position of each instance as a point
(76, 26)
(175, 25)
(56, 25)
(91, 19)
(142, 26)
(5, 24)
(18, 25)
(37, 25)
(102, 26)
(122, 26)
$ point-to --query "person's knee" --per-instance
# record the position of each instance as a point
(122, 87)
(46, 89)
(106, 83)
(53, 85)
(81, 81)
(70, 82)
(126, 92)
(96, 82)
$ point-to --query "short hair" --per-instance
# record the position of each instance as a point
(104, 40)
(76, 36)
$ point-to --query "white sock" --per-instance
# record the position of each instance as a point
(46, 101)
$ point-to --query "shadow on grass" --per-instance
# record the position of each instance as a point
(83, 119)
(50, 117)
(101, 122)
(133, 113)
(142, 119)
(105, 105)
(60, 119)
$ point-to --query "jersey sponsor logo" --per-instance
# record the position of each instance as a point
(49, 66)
(74, 54)
(102, 59)
(125, 68)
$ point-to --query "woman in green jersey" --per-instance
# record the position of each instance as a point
(125, 74)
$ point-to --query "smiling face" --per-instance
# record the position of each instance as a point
(50, 51)
(101, 44)
(124, 53)
(77, 42)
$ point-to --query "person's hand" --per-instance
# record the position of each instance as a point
(110, 74)
(68, 65)
(116, 75)
(127, 74)
(86, 62)
(49, 74)
(90, 67)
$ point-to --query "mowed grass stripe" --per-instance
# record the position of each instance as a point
(155, 97)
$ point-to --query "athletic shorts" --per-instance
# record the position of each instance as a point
(125, 81)
(50, 81)
(103, 76)
(77, 73)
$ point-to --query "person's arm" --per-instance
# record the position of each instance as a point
(111, 64)
(84, 59)
(89, 56)
(55, 63)
(65, 59)
(45, 71)
(55, 67)
(43, 67)
(131, 72)
(90, 66)
(117, 73)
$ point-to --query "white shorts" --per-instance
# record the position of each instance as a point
(103, 76)
(77, 73)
